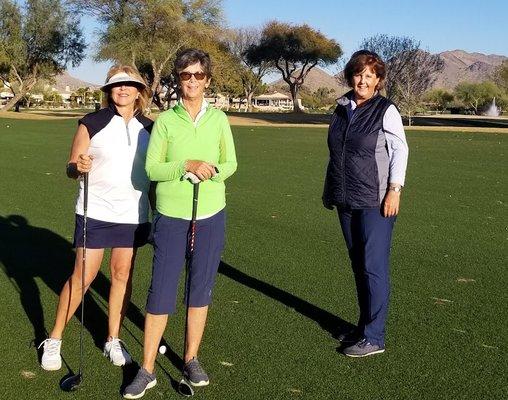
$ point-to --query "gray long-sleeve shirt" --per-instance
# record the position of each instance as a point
(398, 149)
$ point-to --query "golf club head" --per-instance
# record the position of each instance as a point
(185, 389)
(70, 383)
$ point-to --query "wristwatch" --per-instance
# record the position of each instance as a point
(396, 189)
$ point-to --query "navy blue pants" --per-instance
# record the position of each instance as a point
(170, 237)
(368, 237)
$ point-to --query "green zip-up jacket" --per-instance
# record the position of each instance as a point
(173, 141)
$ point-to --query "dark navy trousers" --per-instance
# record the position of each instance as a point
(368, 237)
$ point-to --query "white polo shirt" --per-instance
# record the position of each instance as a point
(117, 183)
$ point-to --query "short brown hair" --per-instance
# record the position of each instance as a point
(188, 57)
(145, 93)
(361, 60)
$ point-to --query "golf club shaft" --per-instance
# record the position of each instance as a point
(83, 267)
(188, 266)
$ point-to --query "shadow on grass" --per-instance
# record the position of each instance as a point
(27, 253)
(328, 321)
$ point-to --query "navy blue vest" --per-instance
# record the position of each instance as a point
(352, 177)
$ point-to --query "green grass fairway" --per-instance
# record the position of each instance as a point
(285, 287)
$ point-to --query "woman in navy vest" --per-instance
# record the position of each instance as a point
(364, 179)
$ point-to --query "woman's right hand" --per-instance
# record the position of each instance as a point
(201, 169)
(84, 163)
(327, 204)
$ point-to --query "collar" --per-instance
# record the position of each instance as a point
(204, 105)
(114, 110)
(182, 111)
(347, 100)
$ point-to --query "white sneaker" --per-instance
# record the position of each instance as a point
(115, 350)
(51, 359)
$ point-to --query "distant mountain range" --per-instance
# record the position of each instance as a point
(66, 82)
(459, 66)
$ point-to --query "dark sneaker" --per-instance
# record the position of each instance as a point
(363, 349)
(350, 337)
(142, 381)
(195, 374)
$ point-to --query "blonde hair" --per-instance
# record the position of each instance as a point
(145, 93)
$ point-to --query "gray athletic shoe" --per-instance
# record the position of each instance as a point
(363, 349)
(195, 374)
(143, 380)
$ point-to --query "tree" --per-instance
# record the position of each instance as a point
(294, 50)
(36, 44)
(84, 96)
(97, 96)
(52, 98)
(477, 95)
(439, 98)
(149, 33)
(225, 77)
(251, 72)
(319, 99)
(33, 96)
(226, 71)
(414, 80)
(410, 70)
(501, 76)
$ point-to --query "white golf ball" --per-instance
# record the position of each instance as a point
(162, 349)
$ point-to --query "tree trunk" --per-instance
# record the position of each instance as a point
(156, 99)
(23, 89)
(475, 106)
(248, 98)
(294, 92)
(155, 84)
(14, 102)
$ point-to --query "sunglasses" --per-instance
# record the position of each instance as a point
(185, 76)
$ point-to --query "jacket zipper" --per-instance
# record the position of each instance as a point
(128, 134)
(342, 158)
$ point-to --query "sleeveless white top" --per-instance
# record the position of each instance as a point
(117, 183)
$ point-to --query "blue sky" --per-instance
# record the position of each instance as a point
(473, 26)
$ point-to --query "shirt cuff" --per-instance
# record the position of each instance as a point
(396, 180)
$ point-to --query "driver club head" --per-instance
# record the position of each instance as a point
(70, 383)
(185, 389)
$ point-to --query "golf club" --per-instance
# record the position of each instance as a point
(71, 383)
(184, 387)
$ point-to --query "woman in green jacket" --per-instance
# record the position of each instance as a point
(191, 137)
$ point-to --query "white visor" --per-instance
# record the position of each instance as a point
(121, 77)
